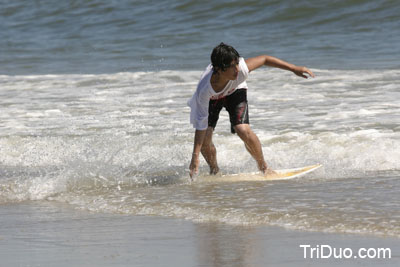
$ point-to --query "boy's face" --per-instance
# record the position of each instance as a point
(232, 72)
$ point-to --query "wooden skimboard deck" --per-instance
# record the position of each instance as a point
(285, 174)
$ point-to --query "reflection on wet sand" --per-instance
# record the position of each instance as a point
(222, 245)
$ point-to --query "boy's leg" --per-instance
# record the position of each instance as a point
(209, 151)
(239, 118)
(252, 144)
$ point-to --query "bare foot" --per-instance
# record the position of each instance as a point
(214, 170)
(270, 173)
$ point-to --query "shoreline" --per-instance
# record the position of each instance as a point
(55, 234)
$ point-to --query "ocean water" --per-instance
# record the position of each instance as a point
(93, 110)
(97, 36)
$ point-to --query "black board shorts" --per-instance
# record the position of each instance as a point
(235, 104)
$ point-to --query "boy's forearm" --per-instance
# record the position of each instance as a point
(198, 142)
(278, 63)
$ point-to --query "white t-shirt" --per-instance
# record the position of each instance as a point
(204, 92)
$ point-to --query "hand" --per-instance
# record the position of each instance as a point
(194, 166)
(300, 71)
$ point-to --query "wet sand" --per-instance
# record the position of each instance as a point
(53, 234)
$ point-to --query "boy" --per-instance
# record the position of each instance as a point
(223, 84)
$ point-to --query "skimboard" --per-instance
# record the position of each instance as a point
(285, 174)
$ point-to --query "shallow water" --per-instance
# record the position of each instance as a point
(121, 143)
(44, 233)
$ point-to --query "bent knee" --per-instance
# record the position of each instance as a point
(243, 130)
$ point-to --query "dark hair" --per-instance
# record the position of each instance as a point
(222, 57)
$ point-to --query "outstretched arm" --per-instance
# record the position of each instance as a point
(256, 62)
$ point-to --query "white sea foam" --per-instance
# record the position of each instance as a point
(98, 141)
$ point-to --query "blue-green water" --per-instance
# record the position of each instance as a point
(118, 36)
